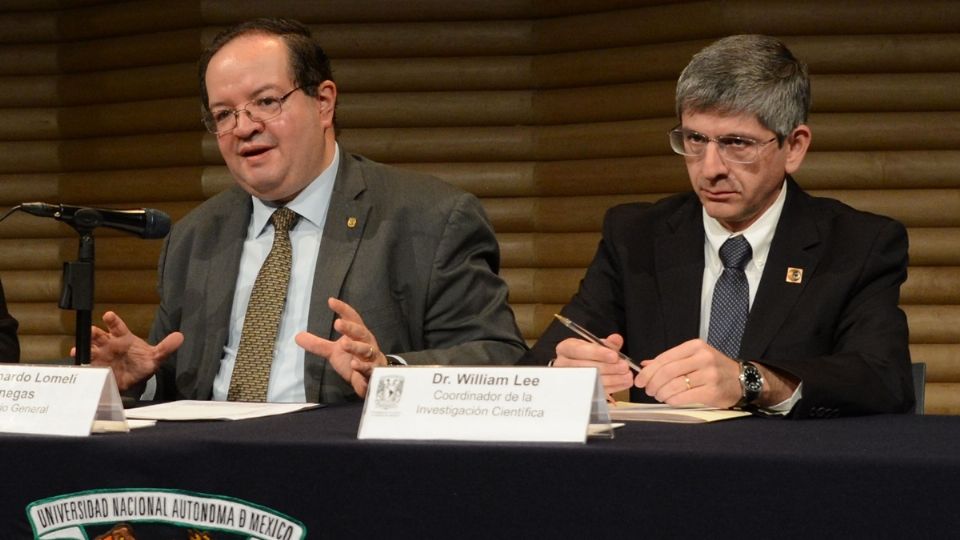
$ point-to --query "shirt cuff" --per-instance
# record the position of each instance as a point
(786, 405)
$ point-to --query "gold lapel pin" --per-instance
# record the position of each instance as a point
(794, 275)
(351, 222)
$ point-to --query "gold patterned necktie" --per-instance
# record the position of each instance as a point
(251, 371)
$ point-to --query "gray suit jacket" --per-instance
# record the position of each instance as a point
(419, 265)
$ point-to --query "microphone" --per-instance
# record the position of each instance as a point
(143, 222)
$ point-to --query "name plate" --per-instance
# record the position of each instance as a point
(58, 400)
(481, 403)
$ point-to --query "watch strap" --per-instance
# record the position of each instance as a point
(393, 360)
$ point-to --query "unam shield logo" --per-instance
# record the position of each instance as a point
(389, 390)
(121, 531)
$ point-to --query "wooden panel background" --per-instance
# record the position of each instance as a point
(550, 111)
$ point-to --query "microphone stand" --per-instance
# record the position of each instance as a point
(77, 285)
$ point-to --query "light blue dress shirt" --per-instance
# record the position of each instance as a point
(286, 374)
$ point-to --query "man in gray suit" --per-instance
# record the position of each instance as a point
(388, 266)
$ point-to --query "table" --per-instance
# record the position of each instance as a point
(888, 476)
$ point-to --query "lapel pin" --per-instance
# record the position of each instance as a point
(794, 275)
(351, 222)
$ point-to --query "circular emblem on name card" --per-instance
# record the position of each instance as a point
(389, 390)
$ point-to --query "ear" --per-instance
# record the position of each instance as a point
(327, 102)
(797, 144)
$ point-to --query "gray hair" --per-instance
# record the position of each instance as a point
(750, 74)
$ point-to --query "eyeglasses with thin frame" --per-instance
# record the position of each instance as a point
(223, 121)
(733, 148)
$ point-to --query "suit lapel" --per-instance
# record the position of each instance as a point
(796, 244)
(679, 267)
(342, 232)
(229, 230)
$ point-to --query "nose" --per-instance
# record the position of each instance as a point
(246, 126)
(712, 163)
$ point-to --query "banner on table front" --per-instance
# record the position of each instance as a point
(115, 514)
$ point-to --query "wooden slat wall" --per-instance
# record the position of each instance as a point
(550, 111)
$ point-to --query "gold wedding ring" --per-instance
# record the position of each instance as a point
(687, 381)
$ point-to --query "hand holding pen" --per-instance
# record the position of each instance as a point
(589, 336)
(613, 366)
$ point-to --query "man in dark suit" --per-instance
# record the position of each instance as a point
(9, 344)
(388, 266)
(747, 291)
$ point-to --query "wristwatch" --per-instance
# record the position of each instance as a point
(751, 383)
(393, 361)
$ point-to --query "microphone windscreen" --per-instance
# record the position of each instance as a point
(156, 224)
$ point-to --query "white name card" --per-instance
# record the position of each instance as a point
(481, 403)
(58, 400)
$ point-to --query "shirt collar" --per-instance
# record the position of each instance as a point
(311, 203)
(759, 233)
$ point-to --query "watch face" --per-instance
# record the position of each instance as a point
(752, 380)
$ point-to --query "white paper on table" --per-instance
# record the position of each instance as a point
(213, 410)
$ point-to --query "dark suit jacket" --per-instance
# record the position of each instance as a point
(9, 344)
(420, 266)
(840, 330)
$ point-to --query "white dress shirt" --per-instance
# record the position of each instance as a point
(760, 235)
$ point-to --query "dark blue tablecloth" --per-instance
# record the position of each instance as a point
(871, 477)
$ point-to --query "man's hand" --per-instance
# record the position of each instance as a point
(695, 372)
(354, 354)
(614, 372)
(692, 372)
(132, 359)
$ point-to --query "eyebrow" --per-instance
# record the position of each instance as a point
(259, 91)
(738, 135)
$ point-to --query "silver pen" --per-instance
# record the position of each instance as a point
(587, 335)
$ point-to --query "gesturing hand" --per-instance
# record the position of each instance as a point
(131, 358)
(354, 354)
